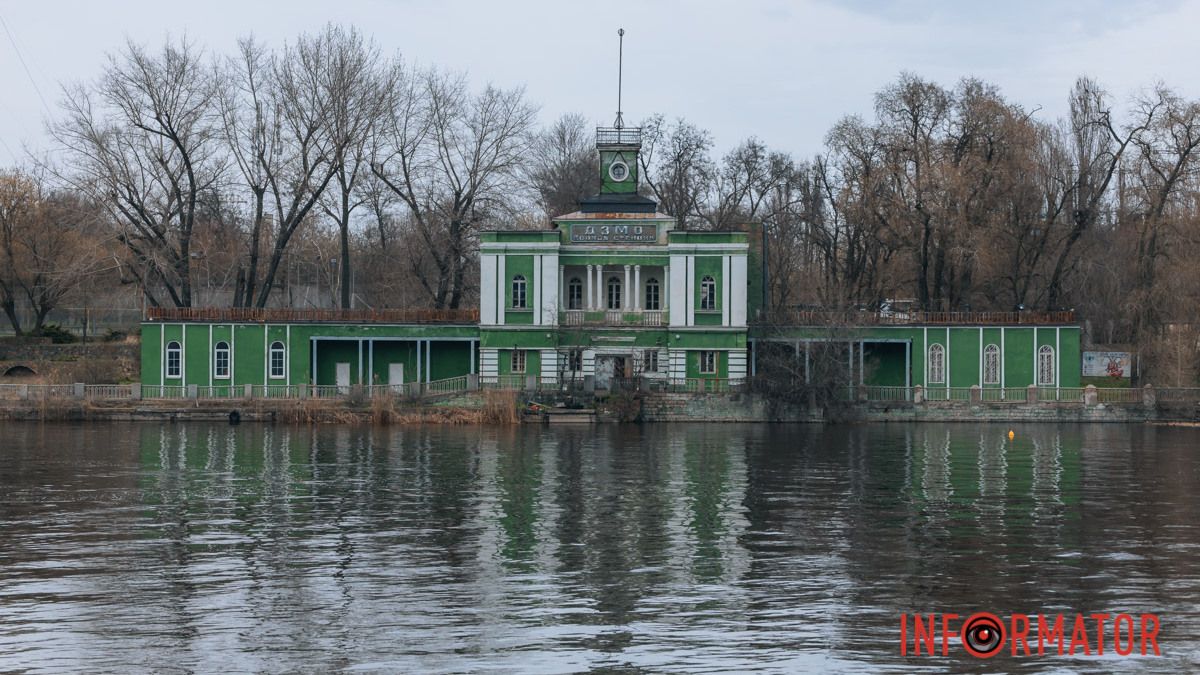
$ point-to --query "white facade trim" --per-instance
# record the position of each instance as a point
(726, 296)
(487, 301)
(738, 290)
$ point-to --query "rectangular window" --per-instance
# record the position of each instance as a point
(650, 361)
(708, 363)
(575, 360)
(518, 292)
(652, 300)
(518, 361)
(708, 294)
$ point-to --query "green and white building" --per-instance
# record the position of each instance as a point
(612, 290)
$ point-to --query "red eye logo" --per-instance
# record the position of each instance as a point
(983, 635)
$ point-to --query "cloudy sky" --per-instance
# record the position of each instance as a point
(782, 70)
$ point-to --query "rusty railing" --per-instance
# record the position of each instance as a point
(869, 318)
(286, 315)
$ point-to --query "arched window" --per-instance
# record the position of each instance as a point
(614, 293)
(991, 364)
(937, 364)
(708, 293)
(278, 360)
(575, 293)
(652, 292)
(1046, 365)
(221, 361)
(174, 360)
(518, 292)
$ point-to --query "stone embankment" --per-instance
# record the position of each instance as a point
(505, 406)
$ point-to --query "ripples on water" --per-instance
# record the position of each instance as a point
(672, 548)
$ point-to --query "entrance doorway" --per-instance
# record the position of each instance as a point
(609, 366)
(343, 377)
(396, 376)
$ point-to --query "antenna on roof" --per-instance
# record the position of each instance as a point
(620, 123)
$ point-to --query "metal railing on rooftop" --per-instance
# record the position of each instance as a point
(287, 315)
(875, 318)
(618, 136)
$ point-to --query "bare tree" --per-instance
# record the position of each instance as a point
(280, 122)
(142, 140)
(677, 167)
(360, 83)
(49, 243)
(564, 165)
(452, 158)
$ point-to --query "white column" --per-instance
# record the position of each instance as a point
(637, 288)
(590, 297)
(665, 290)
(600, 287)
(626, 304)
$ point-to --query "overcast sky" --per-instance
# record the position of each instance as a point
(784, 71)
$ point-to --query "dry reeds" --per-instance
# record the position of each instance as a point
(500, 407)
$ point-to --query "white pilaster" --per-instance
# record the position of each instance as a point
(726, 295)
(553, 287)
(503, 288)
(738, 291)
(535, 293)
(677, 287)
(487, 301)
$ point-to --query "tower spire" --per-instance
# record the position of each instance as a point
(620, 123)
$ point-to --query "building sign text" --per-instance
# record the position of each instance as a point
(586, 233)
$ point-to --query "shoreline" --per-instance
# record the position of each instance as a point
(504, 407)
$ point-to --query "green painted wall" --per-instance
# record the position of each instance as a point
(250, 344)
(706, 340)
(964, 354)
(628, 186)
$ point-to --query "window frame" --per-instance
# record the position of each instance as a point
(614, 284)
(575, 293)
(575, 360)
(513, 361)
(713, 365)
(221, 349)
(939, 363)
(991, 364)
(176, 350)
(520, 292)
(708, 294)
(653, 285)
(281, 350)
(1047, 360)
(650, 361)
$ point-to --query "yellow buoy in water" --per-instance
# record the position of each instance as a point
(1011, 435)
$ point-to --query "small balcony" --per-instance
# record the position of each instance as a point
(614, 317)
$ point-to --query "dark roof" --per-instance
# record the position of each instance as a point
(617, 203)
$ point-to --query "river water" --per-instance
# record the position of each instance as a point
(210, 548)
